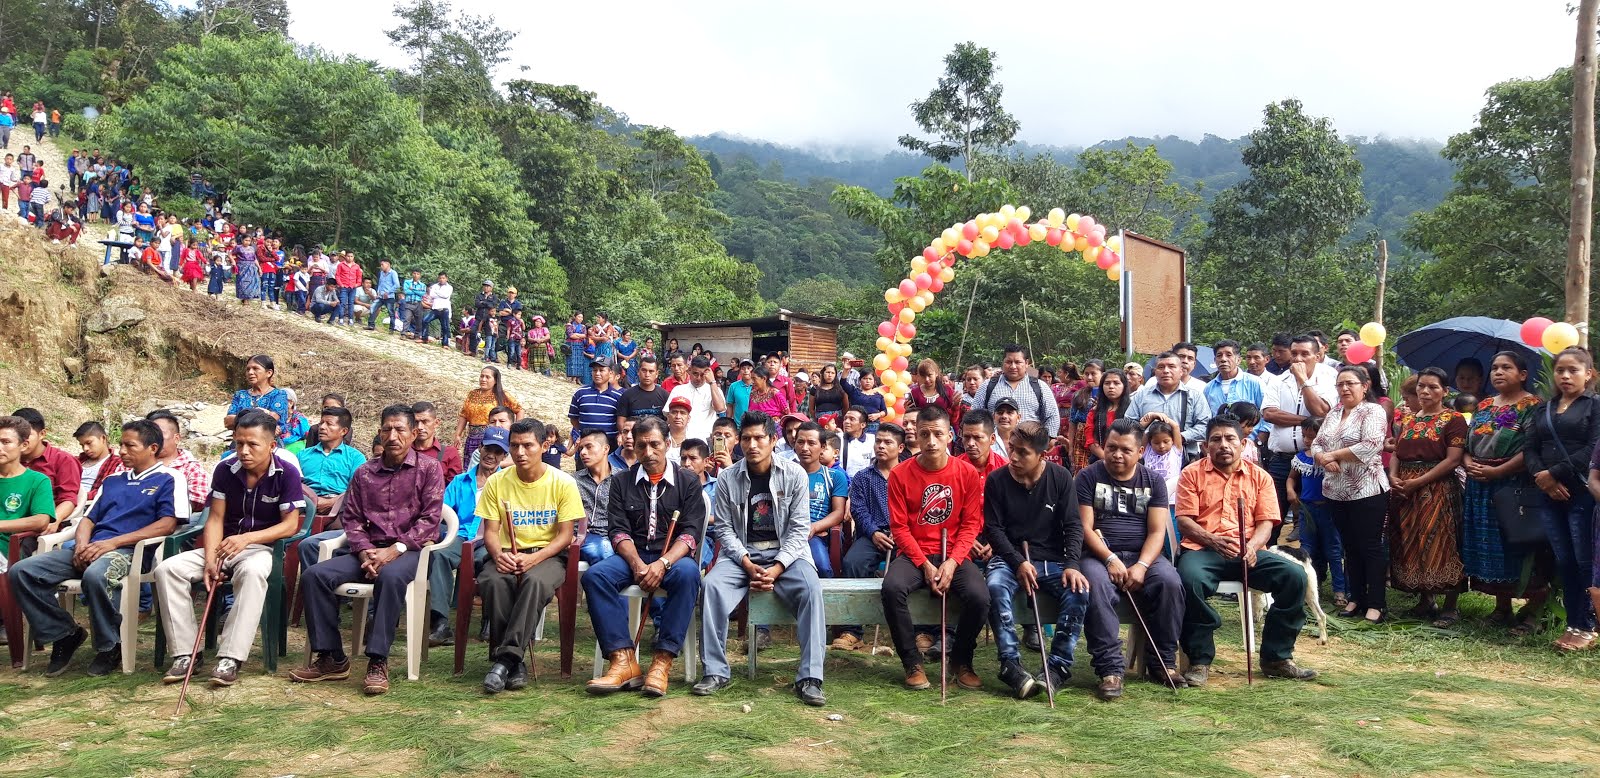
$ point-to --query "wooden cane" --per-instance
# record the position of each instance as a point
(1244, 599)
(1038, 624)
(644, 608)
(944, 629)
(511, 542)
(876, 627)
(200, 631)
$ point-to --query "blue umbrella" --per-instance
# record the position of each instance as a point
(1444, 344)
(1205, 363)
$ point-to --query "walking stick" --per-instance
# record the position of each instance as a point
(1038, 624)
(200, 631)
(1150, 638)
(1244, 599)
(877, 627)
(644, 609)
(944, 629)
(511, 540)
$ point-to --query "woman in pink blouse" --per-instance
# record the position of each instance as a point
(1350, 449)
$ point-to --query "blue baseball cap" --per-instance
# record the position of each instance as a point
(499, 438)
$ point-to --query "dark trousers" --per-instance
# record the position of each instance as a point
(388, 597)
(437, 315)
(513, 604)
(861, 560)
(1570, 526)
(387, 305)
(1283, 578)
(1366, 562)
(1160, 602)
(903, 577)
(1278, 466)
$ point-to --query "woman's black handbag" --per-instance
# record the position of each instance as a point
(1516, 508)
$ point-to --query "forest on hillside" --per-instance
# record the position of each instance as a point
(441, 165)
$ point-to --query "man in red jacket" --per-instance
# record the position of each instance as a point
(930, 494)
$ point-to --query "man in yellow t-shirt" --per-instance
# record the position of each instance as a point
(528, 557)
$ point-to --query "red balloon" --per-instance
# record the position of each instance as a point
(908, 330)
(886, 329)
(1094, 238)
(1358, 352)
(1533, 331)
(970, 230)
(964, 248)
(898, 363)
(1023, 238)
(1015, 225)
(937, 286)
(1005, 241)
(894, 310)
(908, 288)
(922, 281)
(900, 406)
(1052, 236)
(1105, 260)
(930, 255)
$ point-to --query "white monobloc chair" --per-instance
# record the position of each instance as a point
(416, 613)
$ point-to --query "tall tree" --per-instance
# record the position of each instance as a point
(423, 26)
(1578, 235)
(963, 112)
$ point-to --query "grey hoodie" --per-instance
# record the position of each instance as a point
(791, 491)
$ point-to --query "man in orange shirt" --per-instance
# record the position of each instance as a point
(1210, 494)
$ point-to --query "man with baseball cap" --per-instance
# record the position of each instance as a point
(678, 410)
(483, 310)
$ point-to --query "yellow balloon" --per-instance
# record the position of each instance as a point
(1067, 246)
(1081, 243)
(1114, 243)
(892, 295)
(918, 264)
(983, 220)
(981, 249)
(989, 234)
(1037, 232)
(1072, 221)
(1022, 213)
(1560, 336)
(905, 349)
(1008, 210)
(916, 304)
(1373, 334)
(881, 362)
(902, 389)
(947, 275)
(1091, 253)
(1114, 272)
(951, 236)
(1057, 217)
(885, 344)
(907, 316)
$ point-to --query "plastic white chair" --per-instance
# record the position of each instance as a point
(139, 573)
(691, 639)
(1259, 602)
(416, 613)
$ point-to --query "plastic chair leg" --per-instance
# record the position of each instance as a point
(466, 589)
(15, 640)
(416, 630)
(130, 622)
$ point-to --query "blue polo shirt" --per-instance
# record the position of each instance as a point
(461, 494)
(131, 501)
(329, 473)
(251, 510)
(595, 410)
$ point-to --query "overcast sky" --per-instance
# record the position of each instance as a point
(830, 72)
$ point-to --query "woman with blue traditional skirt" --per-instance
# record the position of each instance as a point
(1494, 461)
(577, 338)
(626, 348)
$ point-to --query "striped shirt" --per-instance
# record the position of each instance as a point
(594, 410)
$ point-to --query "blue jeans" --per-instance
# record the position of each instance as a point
(297, 302)
(489, 354)
(441, 316)
(820, 557)
(596, 548)
(608, 609)
(513, 354)
(1003, 587)
(318, 310)
(1320, 540)
(35, 580)
(347, 298)
(1570, 526)
(382, 305)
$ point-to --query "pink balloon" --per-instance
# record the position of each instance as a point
(894, 310)
(1104, 261)
(908, 288)
(1005, 241)
(1533, 331)
(1023, 238)
(930, 255)
(908, 331)
(1100, 229)
(1358, 352)
(937, 286)
(885, 329)
(935, 268)
(922, 281)
(970, 230)
(964, 248)
(1094, 238)
(1085, 225)
(1015, 225)
(1052, 236)
(899, 363)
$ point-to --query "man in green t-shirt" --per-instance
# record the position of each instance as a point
(529, 556)
(25, 497)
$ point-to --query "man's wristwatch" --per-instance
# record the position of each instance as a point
(400, 547)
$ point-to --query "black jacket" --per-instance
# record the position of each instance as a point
(1045, 516)
(629, 507)
(1579, 430)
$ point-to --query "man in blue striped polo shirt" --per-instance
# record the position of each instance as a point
(594, 409)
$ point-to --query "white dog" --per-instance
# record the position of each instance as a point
(1313, 601)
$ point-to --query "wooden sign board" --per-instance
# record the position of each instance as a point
(1155, 295)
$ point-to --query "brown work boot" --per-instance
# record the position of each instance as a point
(1110, 688)
(621, 675)
(655, 681)
(322, 668)
(377, 680)
(847, 641)
(967, 679)
(924, 642)
(916, 678)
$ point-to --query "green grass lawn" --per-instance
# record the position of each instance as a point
(1399, 699)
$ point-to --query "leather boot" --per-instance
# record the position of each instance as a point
(622, 674)
(655, 681)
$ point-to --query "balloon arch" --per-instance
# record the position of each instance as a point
(935, 267)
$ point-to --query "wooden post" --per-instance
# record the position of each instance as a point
(1383, 278)
(1582, 220)
(961, 350)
